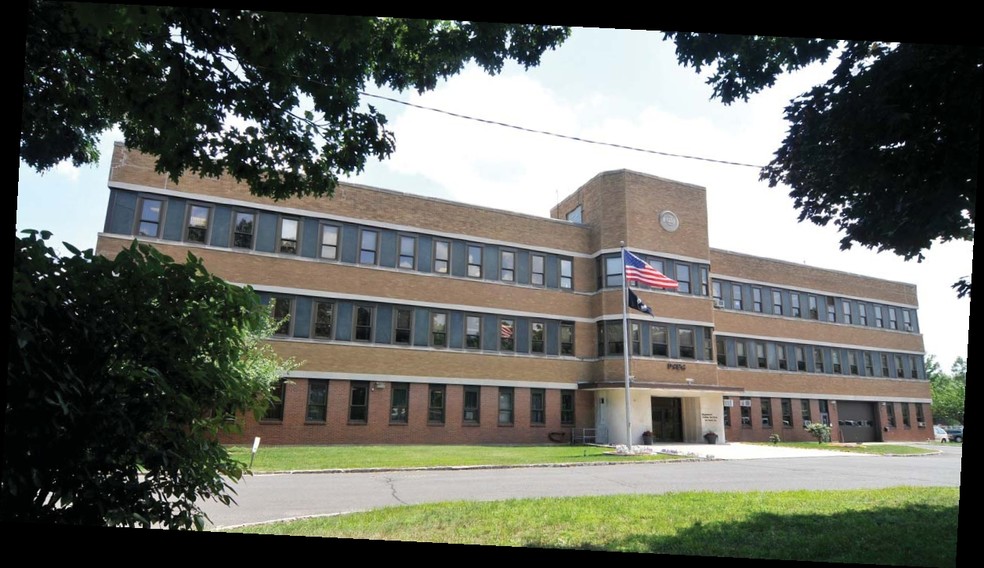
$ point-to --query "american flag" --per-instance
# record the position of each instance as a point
(507, 330)
(638, 271)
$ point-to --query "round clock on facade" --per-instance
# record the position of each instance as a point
(669, 221)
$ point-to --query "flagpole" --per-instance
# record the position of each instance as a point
(626, 346)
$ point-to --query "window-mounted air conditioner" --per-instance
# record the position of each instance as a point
(746, 402)
(718, 303)
(729, 403)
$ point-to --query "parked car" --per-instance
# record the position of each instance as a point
(955, 433)
(940, 434)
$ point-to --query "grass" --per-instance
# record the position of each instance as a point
(881, 449)
(293, 458)
(911, 526)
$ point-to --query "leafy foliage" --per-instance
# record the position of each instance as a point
(949, 390)
(887, 148)
(820, 431)
(271, 99)
(120, 375)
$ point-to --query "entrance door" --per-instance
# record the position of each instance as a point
(667, 426)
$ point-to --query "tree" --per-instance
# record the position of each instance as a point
(272, 99)
(887, 148)
(949, 390)
(121, 373)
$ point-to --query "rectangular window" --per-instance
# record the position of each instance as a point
(329, 242)
(831, 309)
(740, 352)
(906, 423)
(899, 368)
(439, 329)
(537, 264)
(906, 320)
(892, 321)
(914, 365)
(150, 217)
(890, 411)
(726, 411)
(278, 393)
(574, 215)
(324, 317)
(824, 412)
(567, 338)
(776, 302)
(852, 362)
(716, 293)
(507, 266)
(399, 402)
(288, 235)
(281, 315)
(536, 337)
(636, 333)
(442, 257)
(800, 358)
(566, 273)
(846, 310)
(760, 359)
(506, 406)
(708, 345)
(538, 401)
(368, 246)
(507, 335)
(613, 335)
(567, 408)
(787, 413)
(471, 404)
(403, 323)
(920, 416)
(782, 357)
(817, 360)
(242, 229)
(878, 317)
(683, 277)
(814, 311)
(722, 352)
(862, 314)
(736, 296)
(473, 332)
(435, 404)
(363, 323)
(757, 300)
(703, 280)
(408, 252)
(869, 366)
(317, 401)
(613, 271)
(746, 412)
(884, 365)
(805, 412)
(766, 412)
(359, 402)
(835, 360)
(474, 261)
(794, 301)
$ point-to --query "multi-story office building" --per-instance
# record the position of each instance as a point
(420, 320)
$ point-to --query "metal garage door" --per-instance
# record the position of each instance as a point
(857, 421)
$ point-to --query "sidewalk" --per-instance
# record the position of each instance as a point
(739, 451)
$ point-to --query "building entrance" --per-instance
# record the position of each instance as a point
(667, 424)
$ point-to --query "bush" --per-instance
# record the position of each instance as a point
(820, 431)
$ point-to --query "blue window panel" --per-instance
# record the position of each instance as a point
(221, 226)
(350, 243)
(266, 232)
(459, 260)
(490, 333)
(309, 237)
(552, 337)
(770, 354)
(387, 249)
(673, 342)
(174, 219)
(425, 254)
(646, 346)
(383, 326)
(343, 321)
(725, 293)
(490, 262)
(302, 317)
(552, 277)
(121, 216)
(522, 267)
(456, 330)
(421, 328)
(264, 297)
(522, 330)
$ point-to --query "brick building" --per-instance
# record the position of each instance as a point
(420, 320)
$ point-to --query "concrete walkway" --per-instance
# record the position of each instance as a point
(739, 451)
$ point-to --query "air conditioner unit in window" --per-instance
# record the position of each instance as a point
(746, 403)
(718, 303)
(729, 403)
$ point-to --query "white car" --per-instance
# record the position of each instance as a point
(941, 435)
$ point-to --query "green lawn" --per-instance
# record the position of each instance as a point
(911, 526)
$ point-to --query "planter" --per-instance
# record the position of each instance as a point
(711, 437)
(647, 439)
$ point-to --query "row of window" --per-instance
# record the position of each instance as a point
(509, 265)
(609, 270)
(754, 354)
(437, 328)
(655, 340)
(436, 410)
(780, 302)
(806, 417)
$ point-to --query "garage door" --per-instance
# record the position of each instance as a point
(857, 421)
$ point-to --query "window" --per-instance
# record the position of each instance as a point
(766, 412)
(242, 229)
(473, 332)
(636, 333)
(507, 268)
(914, 365)
(746, 412)
(899, 368)
(831, 309)
(323, 318)
(890, 411)
(740, 352)
(906, 320)
(368, 241)
(408, 252)
(703, 280)
(536, 337)
(776, 302)
(878, 317)
(920, 416)
(884, 365)
(435, 404)
(824, 413)
(474, 261)
(317, 401)
(399, 401)
(359, 402)
(892, 321)
(814, 311)
(281, 315)
(708, 354)
(150, 217)
(869, 366)
(760, 359)
(817, 360)
(471, 404)
(439, 329)
(722, 353)
(505, 406)
(507, 335)
(566, 273)
(574, 215)
(363, 323)
(726, 411)
(278, 393)
(537, 264)
(716, 293)
(846, 310)
(613, 271)
(736, 296)
(403, 326)
(288, 235)
(567, 408)
(683, 277)
(329, 242)
(442, 256)
(794, 300)
(613, 334)
(197, 229)
(805, 412)
(782, 357)
(862, 314)
(787, 413)
(567, 338)
(852, 362)
(538, 401)
(800, 358)
(757, 300)
(835, 360)
(906, 423)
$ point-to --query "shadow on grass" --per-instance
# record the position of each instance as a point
(916, 535)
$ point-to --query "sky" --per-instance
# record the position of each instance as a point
(617, 86)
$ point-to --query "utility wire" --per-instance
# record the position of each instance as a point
(554, 134)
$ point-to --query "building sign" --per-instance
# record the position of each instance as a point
(676, 366)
